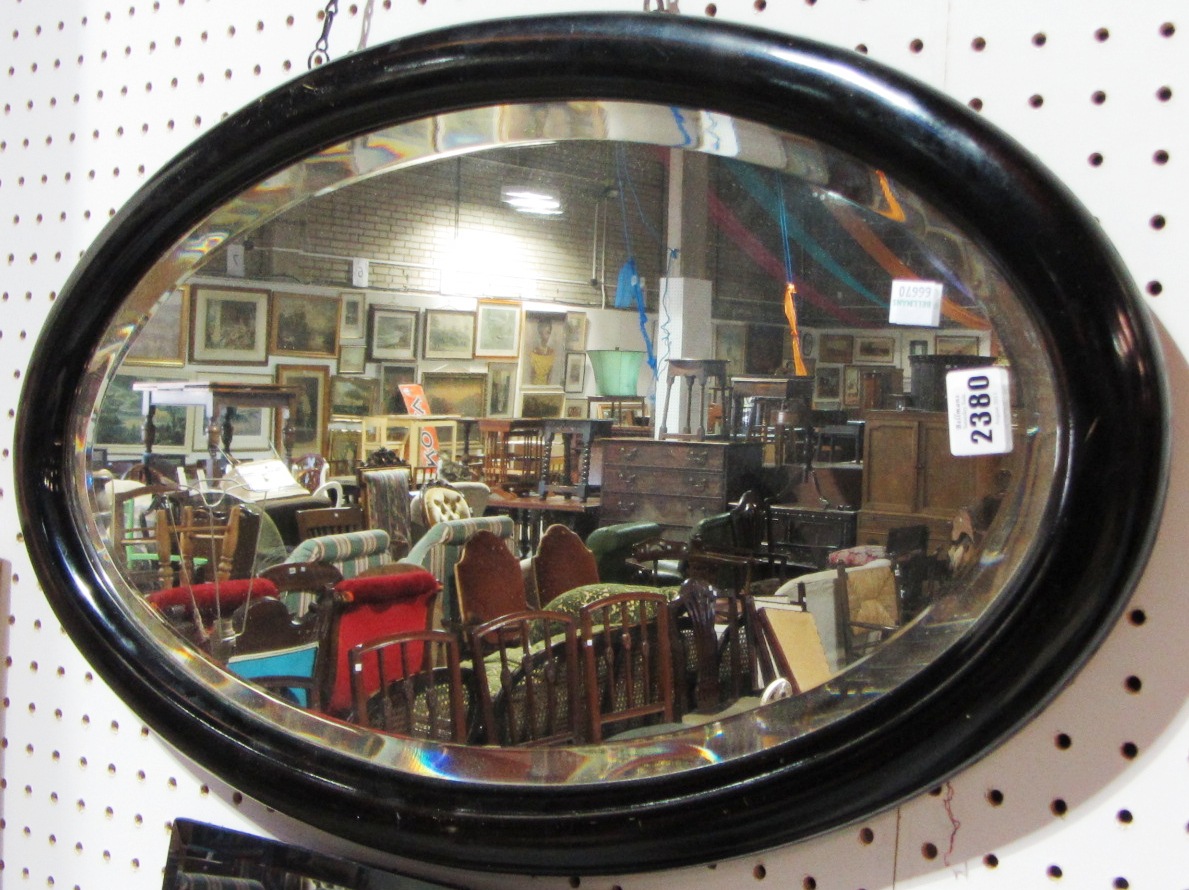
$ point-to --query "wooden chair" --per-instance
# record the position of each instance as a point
(562, 562)
(488, 580)
(734, 548)
(283, 654)
(419, 689)
(329, 521)
(310, 470)
(716, 668)
(867, 609)
(627, 662)
(134, 543)
(302, 585)
(367, 609)
(528, 691)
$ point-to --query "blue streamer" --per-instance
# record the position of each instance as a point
(627, 288)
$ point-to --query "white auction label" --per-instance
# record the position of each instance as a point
(979, 402)
(915, 303)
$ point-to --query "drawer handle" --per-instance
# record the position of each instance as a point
(627, 478)
(697, 483)
(630, 453)
(699, 458)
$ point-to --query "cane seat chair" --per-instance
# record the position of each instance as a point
(627, 663)
(528, 688)
(421, 689)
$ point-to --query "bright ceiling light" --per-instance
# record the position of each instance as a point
(527, 199)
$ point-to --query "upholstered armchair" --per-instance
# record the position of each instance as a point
(350, 552)
(613, 545)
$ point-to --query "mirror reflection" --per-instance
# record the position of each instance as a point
(566, 424)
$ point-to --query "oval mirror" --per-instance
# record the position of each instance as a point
(830, 371)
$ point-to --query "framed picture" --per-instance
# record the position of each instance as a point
(228, 327)
(311, 414)
(352, 359)
(541, 349)
(461, 394)
(501, 387)
(955, 345)
(342, 450)
(918, 347)
(391, 378)
(351, 317)
(352, 396)
(808, 344)
(119, 422)
(875, 350)
(305, 324)
(391, 334)
(730, 343)
(497, 329)
(765, 348)
(575, 332)
(251, 428)
(852, 386)
(827, 386)
(836, 348)
(449, 334)
(162, 340)
(542, 403)
(623, 411)
(575, 409)
(575, 380)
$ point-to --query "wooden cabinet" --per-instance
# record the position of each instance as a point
(674, 483)
(910, 477)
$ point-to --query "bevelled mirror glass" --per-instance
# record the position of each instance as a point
(582, 442)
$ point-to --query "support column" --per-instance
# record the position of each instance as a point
(685, 329)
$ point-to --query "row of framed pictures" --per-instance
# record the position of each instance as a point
(840, 386)
(230, 326)
(881, 350)
(758, 348)
(324, 396)
(236, 326)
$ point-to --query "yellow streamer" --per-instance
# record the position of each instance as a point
(790, 312)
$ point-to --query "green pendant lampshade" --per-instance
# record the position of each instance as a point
(616, 371)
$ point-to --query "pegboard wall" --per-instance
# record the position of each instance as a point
(1093, 793)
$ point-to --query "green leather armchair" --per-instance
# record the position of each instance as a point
(612, 546)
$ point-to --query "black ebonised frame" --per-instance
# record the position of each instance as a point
(1102, 518)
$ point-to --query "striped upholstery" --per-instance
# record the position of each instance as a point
(350, 552)
(441, 546)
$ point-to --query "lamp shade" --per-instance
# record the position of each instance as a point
(616, 371)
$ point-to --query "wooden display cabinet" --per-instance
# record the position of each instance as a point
(910, 477)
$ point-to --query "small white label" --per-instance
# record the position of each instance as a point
(235, 260)
(915, 303)
(979, 400)
(359, 272)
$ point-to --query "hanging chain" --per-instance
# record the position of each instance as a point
(321, 53)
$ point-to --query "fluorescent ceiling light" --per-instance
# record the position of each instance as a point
(528, 199)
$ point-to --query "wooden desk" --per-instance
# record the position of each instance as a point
(217, 399)
(533, 513)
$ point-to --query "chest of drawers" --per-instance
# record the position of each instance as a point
(674, 483)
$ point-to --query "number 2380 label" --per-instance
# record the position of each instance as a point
(979, 402)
